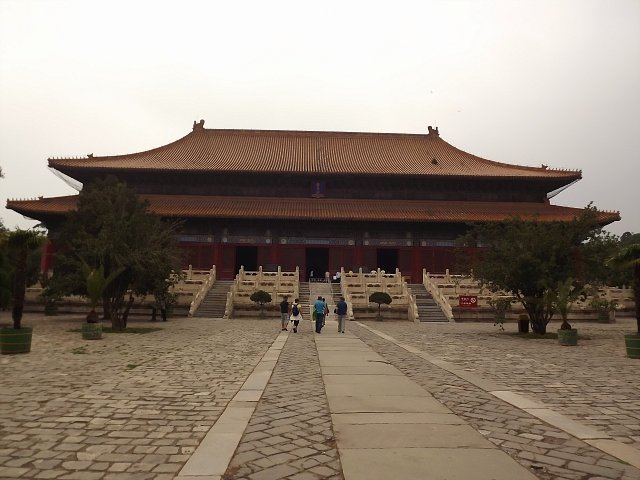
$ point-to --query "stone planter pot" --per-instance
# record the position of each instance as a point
(632, 344)
(568, 337)
(14, 340)
(92, 331)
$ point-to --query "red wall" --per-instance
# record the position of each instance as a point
(411, 260)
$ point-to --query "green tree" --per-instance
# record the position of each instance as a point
(1, 223)
(5, 271)
(261, 298)
(501, 306)
(629, 257)
(380, 298)
(20, 243)
(530, 258)
(113, 229)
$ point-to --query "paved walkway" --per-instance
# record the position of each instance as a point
(211, 399)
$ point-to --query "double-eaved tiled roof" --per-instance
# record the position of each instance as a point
(275, 151)
(196, 206)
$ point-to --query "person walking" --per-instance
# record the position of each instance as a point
(319, 307)
(341, 311)
(284, 312)
(326, 311)
(296, 315)
(313, 313)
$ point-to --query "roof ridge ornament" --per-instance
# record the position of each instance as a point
(198, 126)
(433, 131)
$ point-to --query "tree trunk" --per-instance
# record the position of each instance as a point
(106, 306)
(127, 309)
(117, 324)
(93, 317)
(538, 325)
(19, 288)
(636, 293)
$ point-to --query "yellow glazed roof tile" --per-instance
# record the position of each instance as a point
(339, 153)
(195, 206)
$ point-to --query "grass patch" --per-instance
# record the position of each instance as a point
(140, 330)
(132, 330)
(536, 336)
(533, 336)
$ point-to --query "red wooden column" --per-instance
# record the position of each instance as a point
(275, 254)
(358, 255)
(46, 260)
(216, 257)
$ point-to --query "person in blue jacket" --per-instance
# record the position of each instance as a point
(319, 307)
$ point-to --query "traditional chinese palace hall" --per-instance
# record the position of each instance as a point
(318, 200)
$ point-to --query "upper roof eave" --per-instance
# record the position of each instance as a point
(310, 152)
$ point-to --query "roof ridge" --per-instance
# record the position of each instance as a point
(313, 132)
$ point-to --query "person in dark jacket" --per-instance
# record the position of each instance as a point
(341, 312)
(284, 312)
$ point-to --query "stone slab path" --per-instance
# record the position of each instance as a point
(388, 426)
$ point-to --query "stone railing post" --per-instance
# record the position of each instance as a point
(437, 295)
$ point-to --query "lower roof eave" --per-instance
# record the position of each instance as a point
(324, 209)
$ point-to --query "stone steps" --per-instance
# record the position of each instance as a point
(216, 300)
(428, 309)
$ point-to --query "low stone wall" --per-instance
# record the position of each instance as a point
(137, 310)
(253, 311)
(388, 313)
(487, 315)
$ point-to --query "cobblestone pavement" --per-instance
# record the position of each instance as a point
(130, 406)
(290, 435)
(540, 369)
(135, 407)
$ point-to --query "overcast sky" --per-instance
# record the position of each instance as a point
(523, 82)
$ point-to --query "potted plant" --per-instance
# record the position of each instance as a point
(380, 298)
(96, 283)
(17, 339)
(565, 294)
(261, 298)
(630, 256)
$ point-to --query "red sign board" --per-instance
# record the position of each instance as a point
(468, 301)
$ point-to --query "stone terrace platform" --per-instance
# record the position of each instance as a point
(207, 399)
